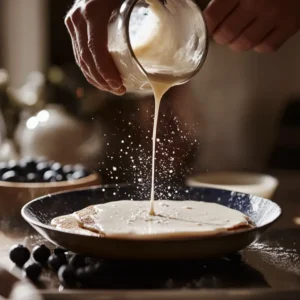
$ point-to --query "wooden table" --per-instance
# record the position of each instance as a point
(269, 269)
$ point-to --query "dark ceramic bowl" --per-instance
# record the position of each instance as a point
(41, 211)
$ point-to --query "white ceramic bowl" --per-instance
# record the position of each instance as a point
(256, 184)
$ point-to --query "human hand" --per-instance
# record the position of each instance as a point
(261, 25)
(87, 23)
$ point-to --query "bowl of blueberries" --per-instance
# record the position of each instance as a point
(26, 179)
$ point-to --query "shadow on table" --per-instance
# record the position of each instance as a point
(228, 272)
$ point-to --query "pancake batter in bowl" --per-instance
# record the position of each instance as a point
(172, 220)
(166, 67)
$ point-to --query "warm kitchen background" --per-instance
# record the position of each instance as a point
(241, 112)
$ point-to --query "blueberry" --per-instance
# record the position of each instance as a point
(28, 164)
(89, 269)
(19, 255)
(56, 261)
(33, 177)
(43, 167)
(3, 170)
(67, 169)
(77, 261)
(80, 274)
(10, 176)
(70, 177)
(84, 276)
(13, 165)
(32, 271)
(3, 164)
(3, 167)
(59, 177)
(98, 267)
(50, 176)
(59, 251)
(67, 276)
(41, 253)
(90, 276)
(79, 174)
(57, 167)
(78, 167)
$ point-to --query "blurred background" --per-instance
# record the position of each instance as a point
(242, 112)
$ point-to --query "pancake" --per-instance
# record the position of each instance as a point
(172, 219)
(86, 218)
(70, 224)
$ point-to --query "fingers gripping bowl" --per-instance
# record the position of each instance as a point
(41, 211)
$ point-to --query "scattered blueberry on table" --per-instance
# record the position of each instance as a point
(78, 271)
(41, 254)
(32, 271)
(73, 270)
(32, 177)
(67, 276)
(19, 255)
(59, 251)
(77, 261)
(56, 261)
(39, 170)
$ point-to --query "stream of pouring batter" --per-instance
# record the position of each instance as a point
(157, 45)
(159, 89)
(152, 48)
